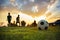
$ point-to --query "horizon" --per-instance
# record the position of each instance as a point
(30, 10)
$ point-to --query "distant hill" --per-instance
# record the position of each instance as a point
(57, 22)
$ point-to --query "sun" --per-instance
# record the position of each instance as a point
(41, 18)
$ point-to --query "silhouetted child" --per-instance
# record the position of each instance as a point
(9, 17)
(18, 20)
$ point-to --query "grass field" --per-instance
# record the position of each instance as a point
(29, 33)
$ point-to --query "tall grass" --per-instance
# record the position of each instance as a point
(29, 33)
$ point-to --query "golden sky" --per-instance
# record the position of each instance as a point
(30, 10)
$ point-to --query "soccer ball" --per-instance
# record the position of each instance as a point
(42, 24)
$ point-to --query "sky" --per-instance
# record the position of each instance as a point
(30, 10)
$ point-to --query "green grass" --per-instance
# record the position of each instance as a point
(29, 33)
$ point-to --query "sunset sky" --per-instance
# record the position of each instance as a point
(30, 10)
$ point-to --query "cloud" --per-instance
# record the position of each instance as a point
(4, 2)
(54, 9)
(12, 0)
(35, 9)
(31, 0)
(25, 2)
